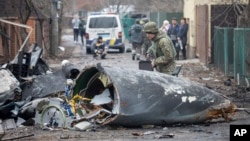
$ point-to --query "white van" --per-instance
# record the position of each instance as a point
(109, 27)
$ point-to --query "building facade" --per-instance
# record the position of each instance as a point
(203, 16)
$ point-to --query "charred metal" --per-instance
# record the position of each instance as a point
(135, 97)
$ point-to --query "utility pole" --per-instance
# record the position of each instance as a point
(55, 28)
(74, 6)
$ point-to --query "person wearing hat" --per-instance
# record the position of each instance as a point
(163, 49)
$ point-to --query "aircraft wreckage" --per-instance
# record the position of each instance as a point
(129, 97)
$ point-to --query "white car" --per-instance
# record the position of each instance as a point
(109, 27)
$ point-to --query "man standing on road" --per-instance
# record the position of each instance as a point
(82, 30)
(163, 49)
(136, 38)
(75, 23)
(172, 33)
(182, 37)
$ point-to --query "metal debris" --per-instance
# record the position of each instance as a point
(9, 124)
(162, 136)
(141, 97)
(82, 126)
(149, 132)
(64, 136)
(137, 134)
(45, 85)
(70, 70)
(10, 86)
(99, 96)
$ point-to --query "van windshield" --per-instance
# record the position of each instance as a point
(103, 22)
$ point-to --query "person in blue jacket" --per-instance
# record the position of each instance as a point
(172, 33)
(182, 37)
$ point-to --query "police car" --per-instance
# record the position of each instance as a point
(109, 27)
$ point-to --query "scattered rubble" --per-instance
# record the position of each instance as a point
(162, 136)
(9, 87)
(14, 134)
(98, 96)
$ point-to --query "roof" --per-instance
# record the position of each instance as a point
(9, 9)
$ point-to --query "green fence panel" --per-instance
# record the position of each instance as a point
(232, 52)
(223, 49)
(241, 53)
(229, 51)
(218, 43)
(127, 23)
(238, 51)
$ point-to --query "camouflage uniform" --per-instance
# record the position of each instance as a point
(163, 49)
(146, 44)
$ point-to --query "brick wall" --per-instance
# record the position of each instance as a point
(47, 34)
(15, 43)
(32, 38)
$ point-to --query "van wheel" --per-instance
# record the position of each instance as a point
(88, 51)
(122, 50)
(128, 50)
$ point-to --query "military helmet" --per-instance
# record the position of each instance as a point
(150, 27)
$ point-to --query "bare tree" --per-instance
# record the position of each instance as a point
(244, 20)
(23, 9)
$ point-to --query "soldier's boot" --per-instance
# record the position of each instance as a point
(103, 56)
(133, 54)
(137, 56)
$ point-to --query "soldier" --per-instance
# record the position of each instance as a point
(162, 48)
(146, 42)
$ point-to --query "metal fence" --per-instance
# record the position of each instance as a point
(241, 53)
(223, 50)
(232, 51)
(127, 23)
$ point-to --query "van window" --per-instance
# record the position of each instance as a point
(103, 22)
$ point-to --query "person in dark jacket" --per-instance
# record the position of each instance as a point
(172, 33)
(136, 39)
(82, 30)
(182, 37)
